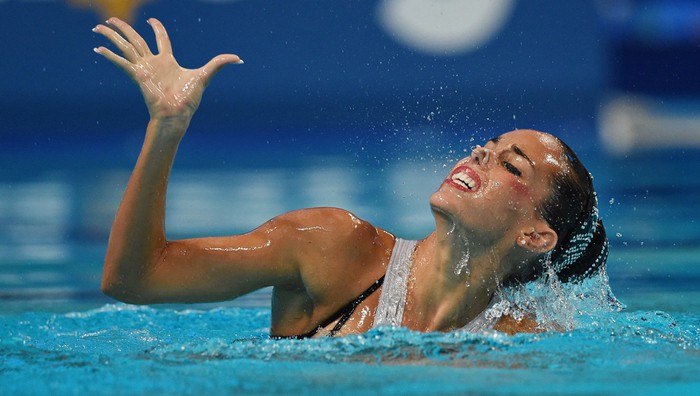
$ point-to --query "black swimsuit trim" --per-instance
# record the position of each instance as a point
(342, 315)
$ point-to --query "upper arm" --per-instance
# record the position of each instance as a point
(217, 268)
(301, 250)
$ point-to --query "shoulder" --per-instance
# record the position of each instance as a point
(334, 248)
(332, 225)
(322, 236)
(324, 214)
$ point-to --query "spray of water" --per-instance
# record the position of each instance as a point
(555, 305)
(463, 264)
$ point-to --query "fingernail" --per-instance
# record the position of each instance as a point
(240, 62)
(96, 50)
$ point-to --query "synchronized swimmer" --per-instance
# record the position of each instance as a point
(520, 207)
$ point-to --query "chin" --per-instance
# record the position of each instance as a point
(440, 205)
(450, 210)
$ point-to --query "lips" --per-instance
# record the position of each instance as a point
(464, 178)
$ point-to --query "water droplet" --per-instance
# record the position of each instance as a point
(619, 235)
(612, 201)
(463, 266)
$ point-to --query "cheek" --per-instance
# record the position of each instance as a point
(519, 189)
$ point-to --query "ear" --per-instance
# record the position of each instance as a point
(540, 239)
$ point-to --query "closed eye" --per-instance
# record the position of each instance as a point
(512, 169)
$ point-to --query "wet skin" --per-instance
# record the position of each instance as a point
(511, 175)
(317, 259)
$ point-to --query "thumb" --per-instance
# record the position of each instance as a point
(217, 63)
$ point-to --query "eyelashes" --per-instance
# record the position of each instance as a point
(512, 169)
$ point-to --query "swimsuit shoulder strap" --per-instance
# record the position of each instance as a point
(393, 297)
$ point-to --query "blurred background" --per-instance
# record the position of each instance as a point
(357, 104)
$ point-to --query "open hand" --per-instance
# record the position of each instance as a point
(169, 90)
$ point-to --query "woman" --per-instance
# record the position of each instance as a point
(517, 208)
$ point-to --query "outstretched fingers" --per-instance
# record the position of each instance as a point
(162, 39)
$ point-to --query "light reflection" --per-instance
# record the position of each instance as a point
(336, 186)
(214, 202)
(34, 219)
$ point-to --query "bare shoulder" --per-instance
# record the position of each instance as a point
(332, 226)
(334, 246)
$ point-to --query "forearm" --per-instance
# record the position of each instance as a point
(137, 239)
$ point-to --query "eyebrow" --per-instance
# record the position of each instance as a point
(519, 152)
(515, 149)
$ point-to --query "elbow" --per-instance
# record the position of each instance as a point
(123, 279)
(111, 289)
(122, 292)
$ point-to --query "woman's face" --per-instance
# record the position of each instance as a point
(496, 190)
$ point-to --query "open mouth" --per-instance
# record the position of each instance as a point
(465, 179)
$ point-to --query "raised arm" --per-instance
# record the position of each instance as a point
(315, 258)
(137, 244)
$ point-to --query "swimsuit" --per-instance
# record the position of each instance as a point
(392, 299)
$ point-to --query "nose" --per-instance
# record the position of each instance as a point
(482, 155)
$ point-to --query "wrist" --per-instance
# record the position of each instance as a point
(168, 127)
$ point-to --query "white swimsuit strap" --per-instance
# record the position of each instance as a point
(393, 296)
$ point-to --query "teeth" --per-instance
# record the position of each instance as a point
(464, 179)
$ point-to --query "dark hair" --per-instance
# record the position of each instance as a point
(572, 212)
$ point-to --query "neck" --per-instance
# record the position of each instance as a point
(454, 281)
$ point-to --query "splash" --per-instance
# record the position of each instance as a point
(559, 306)
(452, 229)
(463, 266)
(364, 313)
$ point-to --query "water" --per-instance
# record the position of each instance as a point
(59, 335)
(128, 350)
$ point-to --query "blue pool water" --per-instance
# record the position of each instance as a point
(129, 350)
(58, 334)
